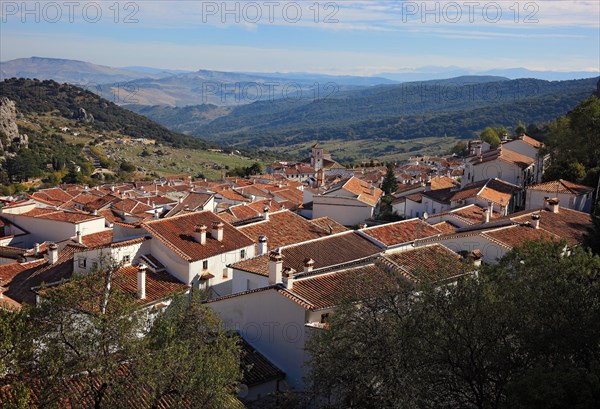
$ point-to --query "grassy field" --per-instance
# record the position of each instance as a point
(378, 150)
(163, 160)
(166, 160)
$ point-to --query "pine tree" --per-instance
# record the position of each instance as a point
(389, 184)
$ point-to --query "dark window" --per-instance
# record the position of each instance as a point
(82, 262)
(126, 259)
(205, 265)
(242, 254)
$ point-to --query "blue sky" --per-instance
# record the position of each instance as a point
(360, 37)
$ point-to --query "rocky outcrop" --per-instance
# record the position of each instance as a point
(9, 131)
(83, 115)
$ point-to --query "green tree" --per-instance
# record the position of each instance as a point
(87, 327)
(127, 167)
(491, 136)
(521, 334)
(389, 184)
(185, 349)
(459, 149)
(520, 129)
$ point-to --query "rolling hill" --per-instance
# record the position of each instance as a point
(100, 115)
(457, 107)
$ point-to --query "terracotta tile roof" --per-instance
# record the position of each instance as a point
(568, 224)
(415, 197)
(440, 195)
(496, 190)
(110, 216)
(193, 202)
(101, 202)
(159, 285)
(131, 206)
(561, 186)
(530, 141)
(405, 231)
(177, 234)
(472, 214)
(362, 190)
(53, 195)
(84, 198)
(329, 224)
(517, 235)
(250, 210)
(257, 369)
(98, 239)
(252, 190)
(260, 204)
(442, 182)
(289, 195)
(40, 271)
(284, 228)
(365, 191)
(328, 251)
(330, 290)
(231, 195)
(157, 200)
(243, 212)
(429, 264)
(446, 227)
(506, 155)
(59, 215)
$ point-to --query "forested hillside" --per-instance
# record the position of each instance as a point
(434, 108)
(33, 96)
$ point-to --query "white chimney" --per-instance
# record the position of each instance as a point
(156, 214)
(95, 212)
(491, 208)
(486, 215)
(79, 238)
(275, 267)
(217, 231)
(288, 278)
(553, 205)
(536, 221)
(37, 249)
(141, 281)
(262, 245)
(53, 253)
(266, 212)
(200, 233)
(309, 263)
(476, 256)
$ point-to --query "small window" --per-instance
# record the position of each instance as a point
(82, 262)
(324, 318)
(242, 254)
(205, 265)
(126, 259)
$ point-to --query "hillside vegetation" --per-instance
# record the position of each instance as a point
(64, 100)
(455, 108)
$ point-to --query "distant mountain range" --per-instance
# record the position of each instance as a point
(428, 73)
(156, 86)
